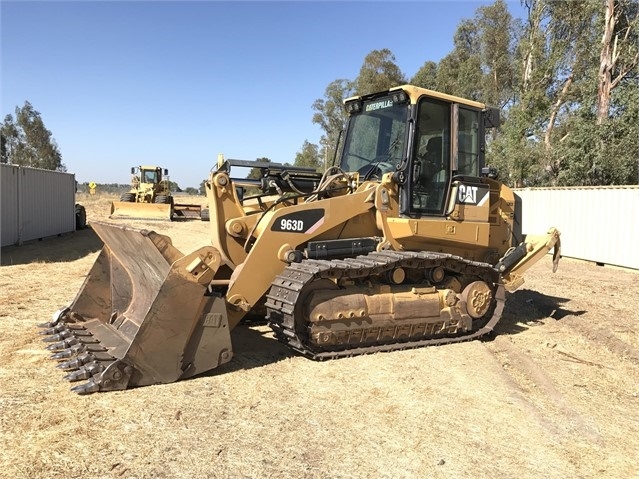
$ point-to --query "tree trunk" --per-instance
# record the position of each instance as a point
(606, 63)
(535, 11)
(561, 98)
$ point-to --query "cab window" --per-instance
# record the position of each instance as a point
(375, 138)
(431, 172)
(149, 176)
(468, 142)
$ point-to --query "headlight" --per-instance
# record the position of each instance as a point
(399, 96)
(354, 107)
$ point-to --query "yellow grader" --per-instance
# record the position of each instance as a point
(150, 198)
(408, 241)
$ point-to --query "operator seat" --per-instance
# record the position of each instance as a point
(432, 162)
(432, 181)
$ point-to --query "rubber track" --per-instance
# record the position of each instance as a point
(288, 286)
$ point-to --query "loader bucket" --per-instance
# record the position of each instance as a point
(143, 315)
(141, 211)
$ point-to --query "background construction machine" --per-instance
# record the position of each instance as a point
(150, 197)
(406, 243)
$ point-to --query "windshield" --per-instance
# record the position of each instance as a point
(149, 176)
(375, 138)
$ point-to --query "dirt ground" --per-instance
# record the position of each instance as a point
(555, 393)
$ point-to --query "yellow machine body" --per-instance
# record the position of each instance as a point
(410, 241)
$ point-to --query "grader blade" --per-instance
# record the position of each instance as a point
(141, 211)
(143, 315)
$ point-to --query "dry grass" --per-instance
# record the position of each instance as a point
(555, 395)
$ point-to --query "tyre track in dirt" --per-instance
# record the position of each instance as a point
(573, 358)
(605, 336)
(538, 388)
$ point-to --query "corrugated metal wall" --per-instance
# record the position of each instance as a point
(35, 203)
(599, 224)
(9, 204)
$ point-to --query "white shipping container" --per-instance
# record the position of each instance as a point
(599, 224)
(36, 203)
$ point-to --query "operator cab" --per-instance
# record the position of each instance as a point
(425, 139)
(149, 174)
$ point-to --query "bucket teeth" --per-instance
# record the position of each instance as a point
(76, 363)
(106, 373)
(60, 327)
(71, 341)
(78, 375)
(63, 344)
(63, 331)
(69, 352)
(55, 318)
(85, 372)
(87, 388)
(77, 349)
(57, 337)
(54, 330)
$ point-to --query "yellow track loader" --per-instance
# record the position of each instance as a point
(408, 241)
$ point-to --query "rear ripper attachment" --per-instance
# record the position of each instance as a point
(143, 315)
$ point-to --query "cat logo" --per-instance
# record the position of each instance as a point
(467, 194)
(473, 195)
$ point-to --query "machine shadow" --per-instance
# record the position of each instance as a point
(254, 346)
(526, 307)
(62, 248)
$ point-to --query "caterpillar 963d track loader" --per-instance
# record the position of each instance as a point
(409, 242)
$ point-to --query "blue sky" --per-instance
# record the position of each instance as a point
(175, 83)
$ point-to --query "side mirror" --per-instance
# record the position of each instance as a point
(490, 172)
(133, 170)
(166, 172)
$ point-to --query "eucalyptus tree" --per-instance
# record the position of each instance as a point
(460, 72)
(27, 142)
(497, 37)
(309, 156)
(619, 54)
(330, 114)
(426, 76)
(596, 140)
(378, 72)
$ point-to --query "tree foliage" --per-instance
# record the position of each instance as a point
(558, 113)
(426, 76)
(330, 114)
(27, 142)
(173, 186)
(459, 72)
(379, 72)
(309, 156)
